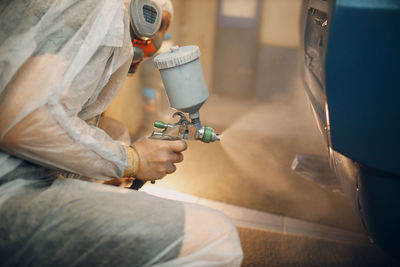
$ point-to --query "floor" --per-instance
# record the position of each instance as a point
(263, 248)
(274, 240)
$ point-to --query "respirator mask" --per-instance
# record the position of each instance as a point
(146, 19)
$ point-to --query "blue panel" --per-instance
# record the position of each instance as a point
(379, 205)
(374, 196)
(363, 81)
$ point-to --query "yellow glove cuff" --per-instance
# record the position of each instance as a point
(132, 159)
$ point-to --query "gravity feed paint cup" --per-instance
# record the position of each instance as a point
(183, 78)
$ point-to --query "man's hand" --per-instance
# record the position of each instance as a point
(157, 157)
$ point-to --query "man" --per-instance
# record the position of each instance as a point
(61, 63)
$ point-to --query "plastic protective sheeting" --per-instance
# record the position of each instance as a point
(316, 168)
(61, 63)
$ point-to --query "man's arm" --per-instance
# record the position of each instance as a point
(41, 137)
(50, 137)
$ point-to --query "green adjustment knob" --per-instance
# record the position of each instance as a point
(159, 124)
(208, 134)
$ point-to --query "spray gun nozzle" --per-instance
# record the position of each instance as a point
(207, 135)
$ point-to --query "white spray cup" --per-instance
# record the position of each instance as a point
(183, 78)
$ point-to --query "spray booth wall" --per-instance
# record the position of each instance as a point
(249, 47)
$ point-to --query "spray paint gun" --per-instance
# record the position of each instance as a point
(187, 91)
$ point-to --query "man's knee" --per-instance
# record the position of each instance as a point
(210, 235)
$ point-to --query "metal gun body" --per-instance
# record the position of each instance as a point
(181, 130)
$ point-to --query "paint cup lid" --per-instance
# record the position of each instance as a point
(177, 56)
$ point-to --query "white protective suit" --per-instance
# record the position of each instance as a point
(61, 63)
